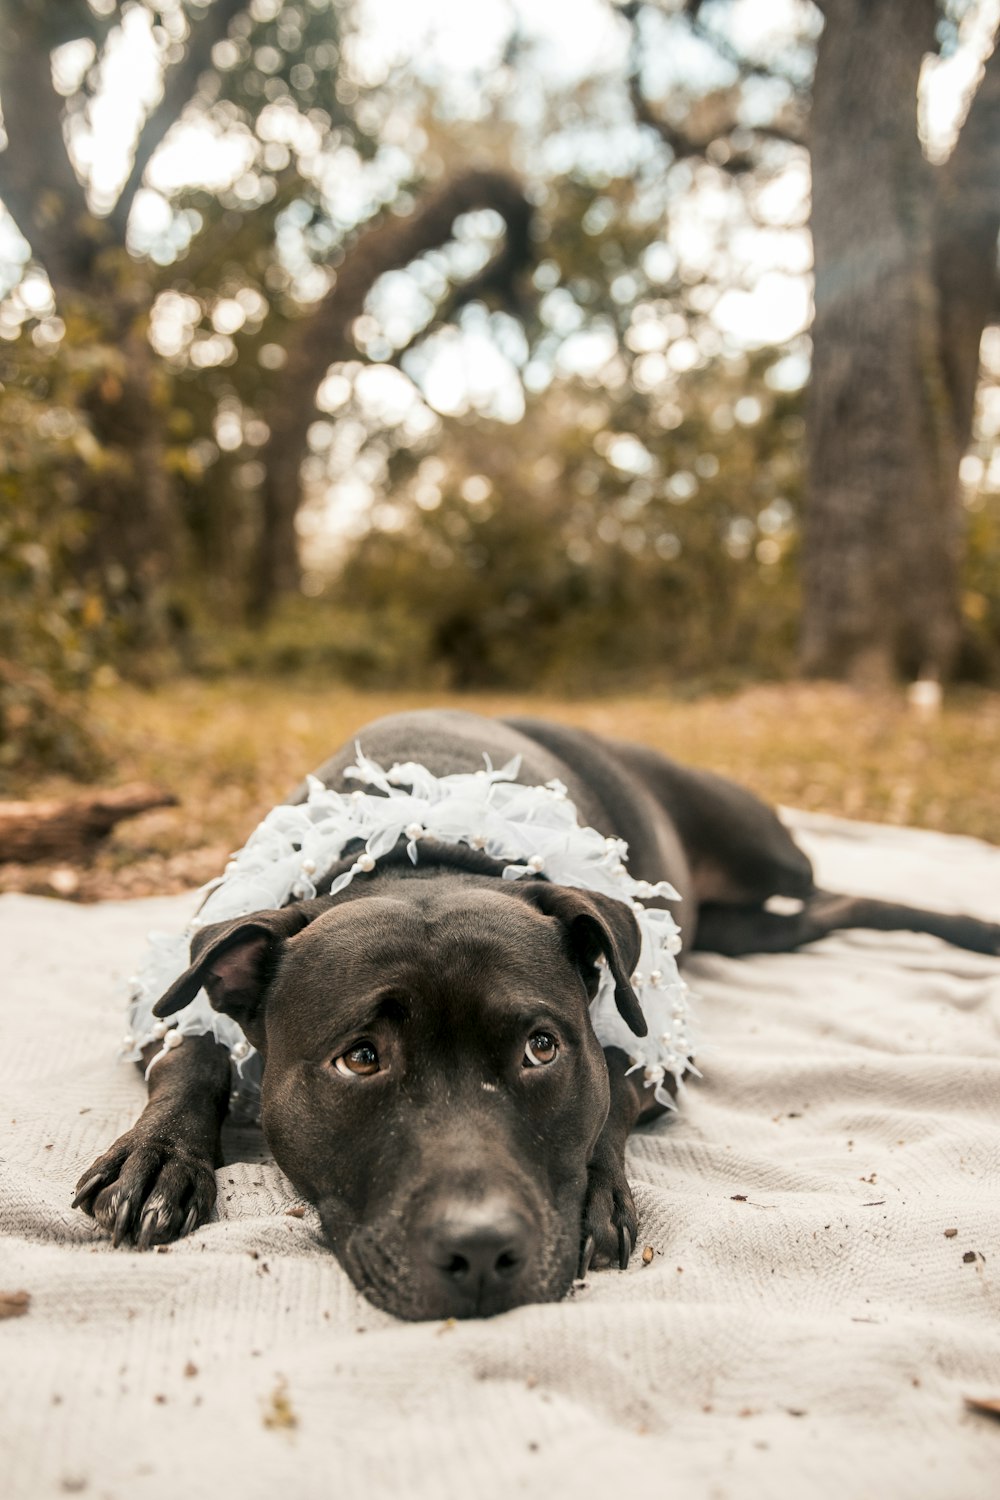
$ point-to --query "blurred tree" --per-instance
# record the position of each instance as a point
(599, 548)
(275, 75)
(638, 524)
(53, 630)
(905, 256)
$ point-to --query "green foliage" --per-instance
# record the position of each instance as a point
(53, 626)
(598, 546)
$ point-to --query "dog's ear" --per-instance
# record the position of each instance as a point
(232, 961)
(595, 924)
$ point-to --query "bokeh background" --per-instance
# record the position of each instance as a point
(641, 360)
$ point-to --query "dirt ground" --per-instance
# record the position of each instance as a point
(230, 751)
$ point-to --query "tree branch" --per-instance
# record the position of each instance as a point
(325, 336)
(497, 281)
(178, 87)
(685, 142)
(392, 243)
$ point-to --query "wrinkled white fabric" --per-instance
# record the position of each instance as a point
(805, 1327)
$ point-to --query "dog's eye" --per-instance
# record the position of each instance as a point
(541, 1048)
(361, 1061)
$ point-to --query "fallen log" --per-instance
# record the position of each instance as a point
(70, 828)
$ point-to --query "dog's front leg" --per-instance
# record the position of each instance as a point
(157, 1181)
(610, 1221)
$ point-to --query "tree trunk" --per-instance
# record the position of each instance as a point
(128, 497)
(966, 226)
(881, 536)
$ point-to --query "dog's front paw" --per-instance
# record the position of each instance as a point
(610, 1221)
(147, 1190)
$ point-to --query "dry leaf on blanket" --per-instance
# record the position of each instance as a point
(988, 1404)
(278, 1412)
(14, 1304)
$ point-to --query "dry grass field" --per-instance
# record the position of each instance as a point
(230, 750)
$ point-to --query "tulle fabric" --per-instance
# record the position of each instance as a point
(534, 829)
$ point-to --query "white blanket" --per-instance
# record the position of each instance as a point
(806, 1325)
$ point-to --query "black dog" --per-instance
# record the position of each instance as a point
(432, 1082)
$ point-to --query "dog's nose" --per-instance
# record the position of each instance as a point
(479, 1249)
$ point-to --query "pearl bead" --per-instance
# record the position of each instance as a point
(414, 830)
(536, 862)
(674, 943)
(172, 1039)
(240, 1050)
(478, 841)
(656, 976)
(638, 978)
(160, 1029)
(365, 862)
(309, 867)
(298, 889)
(128, 1042)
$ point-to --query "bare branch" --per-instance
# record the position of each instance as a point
(178, 87)
(681, 144)
(497, 281)
(745, 66)
(325, 336)
(390, 243)
(685, 141)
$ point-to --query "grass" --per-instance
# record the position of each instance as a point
(230, 751)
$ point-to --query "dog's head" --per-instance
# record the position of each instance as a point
(432, 1081)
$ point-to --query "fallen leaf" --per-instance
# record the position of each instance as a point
(298, 1212)
(14, 1304)
(950, 1234)
(647, 1255)
(278, 1413)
